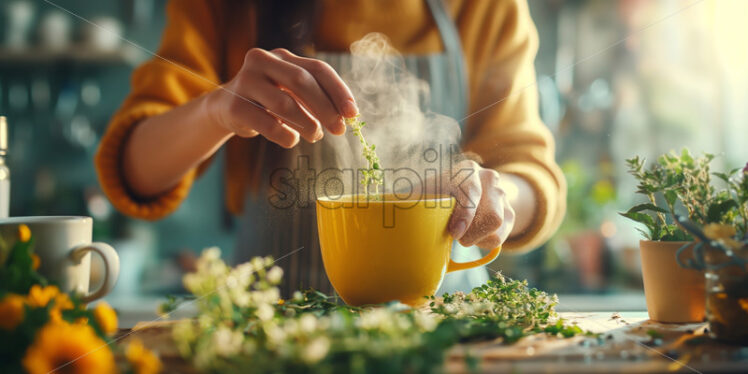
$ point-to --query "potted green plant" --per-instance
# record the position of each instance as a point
(674, 182)
(722, 251)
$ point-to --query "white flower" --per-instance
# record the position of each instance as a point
(211, 254)
(184, 335)
(227, 342)
(316, 349)
(308, 323)
(244, 272)
(291, 327)
(376, 319)
(426, 321)
(275, 334)
(297, 296)
(257, 263)
(337, 322)
(231, 281)
(265, 312)
(269, 261)
(240, 297)
(275, 275)
(191, 282)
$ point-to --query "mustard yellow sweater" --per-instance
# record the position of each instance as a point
(210, 37)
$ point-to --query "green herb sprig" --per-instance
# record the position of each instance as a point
(247, 327)
(682, 182)
(373, 174)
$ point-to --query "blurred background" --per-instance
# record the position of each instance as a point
(616, 79)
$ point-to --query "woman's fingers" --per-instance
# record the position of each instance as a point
(305, 87)
(327, 80)
(287, 110)
(248, 120)
(283, 96)
(494, 217)
(468, 194)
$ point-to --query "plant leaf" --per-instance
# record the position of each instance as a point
(645, 219)
(718, 210)
(646, 206)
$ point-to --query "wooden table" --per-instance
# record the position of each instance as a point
(624, 346)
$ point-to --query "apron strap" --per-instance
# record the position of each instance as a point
(453, 50)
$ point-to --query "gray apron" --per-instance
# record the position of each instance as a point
(267, 230)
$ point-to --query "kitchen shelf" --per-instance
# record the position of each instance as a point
(75, 54)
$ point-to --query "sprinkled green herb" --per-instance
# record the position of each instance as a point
(373, 174)
(243, 326)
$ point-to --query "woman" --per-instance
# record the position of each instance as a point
(224, 75)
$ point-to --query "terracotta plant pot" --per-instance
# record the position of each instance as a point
(674, 294)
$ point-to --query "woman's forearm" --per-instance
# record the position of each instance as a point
(275, 94)
(163, 148)
(521, 197)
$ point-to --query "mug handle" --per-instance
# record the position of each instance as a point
(454, 266)
(111, 267)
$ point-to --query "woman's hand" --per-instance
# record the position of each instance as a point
(282, 96)
(483, 215)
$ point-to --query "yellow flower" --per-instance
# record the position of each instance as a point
(11, 311)
(61, 302)
(106, 318)
(718, 231)
(281, 301)
(40, 296)
(142, 360)
(68, 348)
(24, 233)
(35, 261)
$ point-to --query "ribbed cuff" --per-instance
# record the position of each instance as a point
(108, 163)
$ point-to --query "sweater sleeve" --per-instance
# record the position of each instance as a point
(184, 68)
(505, 128)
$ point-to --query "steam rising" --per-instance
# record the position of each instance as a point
(390, 99)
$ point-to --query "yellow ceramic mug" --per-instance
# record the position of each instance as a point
(390, 249)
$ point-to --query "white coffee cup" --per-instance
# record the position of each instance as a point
(64, 246)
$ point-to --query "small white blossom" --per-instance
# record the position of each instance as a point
(227, 342)
(275, 275)
(275, 334)
(211, 254)
(297, 296)
(426, 321)
(316, 349)
(257, 263)
(308, 323)
(269, 261)
(265, 312)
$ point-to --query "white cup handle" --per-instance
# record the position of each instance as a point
(111, 267)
